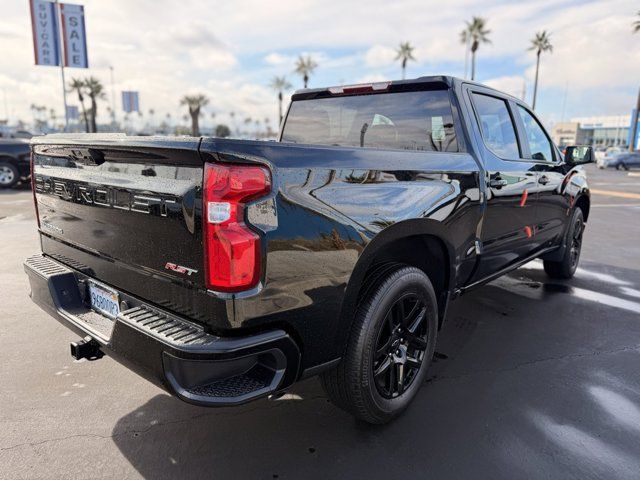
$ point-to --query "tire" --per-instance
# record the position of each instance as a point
(566, 268)
(9, 175)
(394, 334)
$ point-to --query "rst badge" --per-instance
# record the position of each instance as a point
(179, 269)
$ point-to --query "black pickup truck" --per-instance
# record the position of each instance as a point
(226, 270)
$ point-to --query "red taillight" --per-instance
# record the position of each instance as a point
(232, 250)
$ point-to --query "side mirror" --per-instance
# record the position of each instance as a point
(578, 155)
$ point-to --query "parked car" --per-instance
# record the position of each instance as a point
(240, 267)
(14, 162)
(602, 161)
(625, 161)
(12, 132)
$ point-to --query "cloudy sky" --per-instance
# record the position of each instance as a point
(230, 51)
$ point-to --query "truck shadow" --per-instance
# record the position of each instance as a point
(531, 376)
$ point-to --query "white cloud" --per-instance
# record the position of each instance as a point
(513, 85)
(230, 52)
(276, 59)
(372, 78)
(380, 56)
(607, 57)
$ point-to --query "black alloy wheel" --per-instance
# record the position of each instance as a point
(390, 347)
(401, 346)
(576, 241)
(565, 267)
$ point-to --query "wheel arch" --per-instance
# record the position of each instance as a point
(583, 202)
(5, 157)
(397, 243)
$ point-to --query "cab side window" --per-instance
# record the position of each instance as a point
(539, 144)
(496, 126)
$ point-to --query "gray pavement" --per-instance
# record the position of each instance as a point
(533, 379)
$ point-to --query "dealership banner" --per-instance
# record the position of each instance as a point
(72, 112)
(74, 35)
(130, 102)
(44, 27)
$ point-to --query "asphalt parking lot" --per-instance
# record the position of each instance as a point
(533, 379)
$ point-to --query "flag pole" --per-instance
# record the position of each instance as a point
(58, 14)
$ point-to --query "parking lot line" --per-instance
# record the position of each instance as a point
(613, 193)
(617, 205)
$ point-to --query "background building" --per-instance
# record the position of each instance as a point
(568, 133)
(605, 131)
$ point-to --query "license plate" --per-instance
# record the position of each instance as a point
(104, 300)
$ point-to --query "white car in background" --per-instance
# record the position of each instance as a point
(607, 156)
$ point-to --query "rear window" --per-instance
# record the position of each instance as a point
(404, 121)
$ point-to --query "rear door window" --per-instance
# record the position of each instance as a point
(496, 125)
(539, 144)
(421, 120)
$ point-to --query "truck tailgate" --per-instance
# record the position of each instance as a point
(127, 210)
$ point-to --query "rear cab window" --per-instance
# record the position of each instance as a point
(413, 120)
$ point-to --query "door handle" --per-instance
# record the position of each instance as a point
(498, 183)
(543, 180)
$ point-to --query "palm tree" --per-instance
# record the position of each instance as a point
(305, 67)
(475, 33)
(636, 24)
(234, 125)
(95, 90)
(78, 85)
(195, 103)
(404, 54)
(279, 84)
(151, 122)
(213, 121)
(540, 43)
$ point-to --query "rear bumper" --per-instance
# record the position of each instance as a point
(196, 366)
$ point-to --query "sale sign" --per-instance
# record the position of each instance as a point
(74, 35)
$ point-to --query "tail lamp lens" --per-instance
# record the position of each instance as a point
(232, 249)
